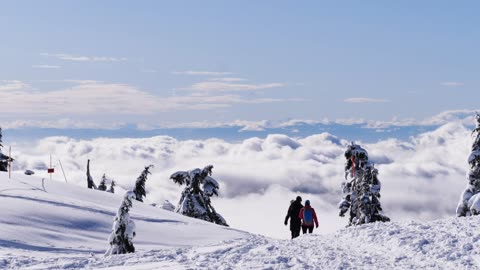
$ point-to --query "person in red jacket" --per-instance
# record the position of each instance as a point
(308, 216)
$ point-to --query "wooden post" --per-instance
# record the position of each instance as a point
(51, 166)
(62, 171)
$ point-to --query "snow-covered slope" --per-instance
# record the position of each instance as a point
(43, 218)
(62, 226)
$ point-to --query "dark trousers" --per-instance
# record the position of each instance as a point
(304, 229)
(295, 231)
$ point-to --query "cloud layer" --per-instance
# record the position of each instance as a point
(88, 97)
(422, 177)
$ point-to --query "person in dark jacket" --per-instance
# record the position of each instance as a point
(308, 216)
(293, 214)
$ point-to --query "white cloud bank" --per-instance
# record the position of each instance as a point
(422, 178)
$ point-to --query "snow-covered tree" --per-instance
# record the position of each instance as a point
(123, 230)
(469, 203)
(103, 183)
(90, 182)
(195, 200)
(112, 187)
(140, 183)
(361, 188)
(4, 159)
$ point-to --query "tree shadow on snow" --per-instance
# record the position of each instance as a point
(17, 245)
(90, 209)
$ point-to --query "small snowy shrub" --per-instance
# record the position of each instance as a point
(112, 187)
(168, 206)
(103, 183)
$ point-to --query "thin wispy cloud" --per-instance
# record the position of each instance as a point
(452, 84)
(365, 100)
(228, 79)
(74, 81)
(12, 85)
(64, 123)
(201, 73)
(46, 66)
(219, 86)
(80, 58)
(148, 70)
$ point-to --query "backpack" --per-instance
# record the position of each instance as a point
(308, 217)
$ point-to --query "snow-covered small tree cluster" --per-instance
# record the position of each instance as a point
(469, 203)
(195, 200)
(361, 188)
(103, 183)
(123, 230)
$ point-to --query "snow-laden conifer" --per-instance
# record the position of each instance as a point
(112, 187)
(4, 159)
(103, 183)
(123, 230)
(140, 183)
(361, 188)
(469, 203)
(196, 197)
(90, 182)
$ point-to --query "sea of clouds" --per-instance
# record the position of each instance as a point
(422, 178)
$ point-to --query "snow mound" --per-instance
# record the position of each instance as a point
(60, 226)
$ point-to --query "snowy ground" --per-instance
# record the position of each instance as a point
(62, 226)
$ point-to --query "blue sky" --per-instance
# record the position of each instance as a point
(107, 62)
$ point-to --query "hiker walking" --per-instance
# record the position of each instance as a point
(308, 216)
(293, 214)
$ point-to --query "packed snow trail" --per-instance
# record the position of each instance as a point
(66, 227)
(443, 244)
